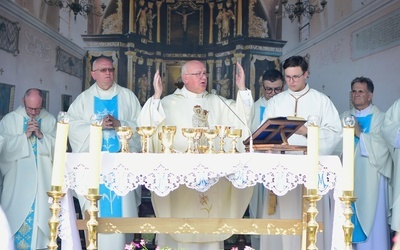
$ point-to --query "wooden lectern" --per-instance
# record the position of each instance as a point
(272, 135)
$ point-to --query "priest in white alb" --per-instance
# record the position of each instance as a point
(192, 106)
(118, 106)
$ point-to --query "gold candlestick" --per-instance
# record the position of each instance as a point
(312, 226)
(348, 227)
(93, 196)
(55, 193)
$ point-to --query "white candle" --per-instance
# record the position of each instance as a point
(348, 159)
(96, 139)
(60, 149)
(312, 152)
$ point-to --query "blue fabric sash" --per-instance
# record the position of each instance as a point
(262, 110)
(23, 237)
(110, 204)
(358, 233)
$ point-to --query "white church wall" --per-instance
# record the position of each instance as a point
(34, 66)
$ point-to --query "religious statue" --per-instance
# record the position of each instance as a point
(142, 19)
(150, 18)
(200, 117)
(144, 88)
(184, 18)
(223, 21)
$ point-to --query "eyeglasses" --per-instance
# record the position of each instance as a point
(33, 109)
(198, 74)
(104, 70)
(360, 92)
(294, 78)
(269, 90)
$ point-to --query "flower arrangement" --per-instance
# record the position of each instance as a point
(142, 246)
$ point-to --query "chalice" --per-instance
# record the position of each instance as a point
(124, 135)
(234, 133)
(167, 138)
(222, 131)
(145, 133)
(189, 133)
(210, 134)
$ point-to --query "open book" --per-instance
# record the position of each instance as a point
(276, 130)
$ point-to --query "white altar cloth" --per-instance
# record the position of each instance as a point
(163, 173)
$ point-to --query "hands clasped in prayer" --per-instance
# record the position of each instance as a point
(33, 128)
(110, 122)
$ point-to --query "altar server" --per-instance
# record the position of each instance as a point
(301, 100)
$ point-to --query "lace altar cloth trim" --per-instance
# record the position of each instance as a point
(163, 173)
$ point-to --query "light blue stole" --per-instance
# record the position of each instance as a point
(262, 110)
(110, 204)
(358, 233)
(23, 237)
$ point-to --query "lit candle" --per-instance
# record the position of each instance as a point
(60, 149)
(95, 144)
(348, 153)
(312, 150)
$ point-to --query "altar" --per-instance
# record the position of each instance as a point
(164, 173)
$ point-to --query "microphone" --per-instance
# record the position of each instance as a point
(251, 149)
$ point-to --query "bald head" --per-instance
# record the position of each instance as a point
(33, 101)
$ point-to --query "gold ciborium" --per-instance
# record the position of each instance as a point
(167, 138)
(189, 133)
(124, 135)
(210, 134)
(222, 131)
(145, 133)
(234, 133)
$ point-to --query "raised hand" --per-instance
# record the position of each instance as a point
(157, 84)
(240, 78)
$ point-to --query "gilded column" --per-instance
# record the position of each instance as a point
(158, 63)
(132, 26)
(131, 69)
(158, 21)
(210, 35)
(218, 66)
(239, 18)
(210, 64)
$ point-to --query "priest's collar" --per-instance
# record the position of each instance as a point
(106, 94)
(299, 93)
(189, 94)
(364, 112)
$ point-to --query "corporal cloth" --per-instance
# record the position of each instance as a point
(26, 179)
(123, 105)
(222, 200)
(309, 102)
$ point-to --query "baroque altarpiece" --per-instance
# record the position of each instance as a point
(142, 36)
